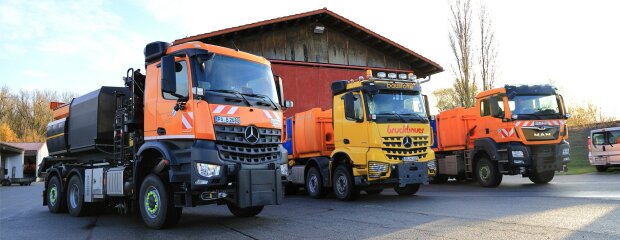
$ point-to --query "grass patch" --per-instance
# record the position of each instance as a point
(579, 166)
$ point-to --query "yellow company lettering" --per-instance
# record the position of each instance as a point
(400, 85)
(404, 129)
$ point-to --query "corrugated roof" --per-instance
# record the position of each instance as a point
(6, 147)
(434, 67)
(28, 146)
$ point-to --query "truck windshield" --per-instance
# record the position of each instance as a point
(397, 105)
(543, 106)
(233, 75)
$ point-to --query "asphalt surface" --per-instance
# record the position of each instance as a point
(570, 207)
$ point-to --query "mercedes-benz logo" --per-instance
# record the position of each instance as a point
(251, 134)
(407, 142)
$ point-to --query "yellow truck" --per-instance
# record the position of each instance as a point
(377, 135)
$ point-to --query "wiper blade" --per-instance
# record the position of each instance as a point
(529, 114)
(417, 116)
(275, 106)
(237, 93)
(395, 114)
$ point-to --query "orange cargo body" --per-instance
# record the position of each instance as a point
(313, 134)
(453, 127)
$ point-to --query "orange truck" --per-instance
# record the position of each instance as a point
(203, 126)
(511, 130)
(376, 136)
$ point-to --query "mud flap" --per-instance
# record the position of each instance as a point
(259, 188)
(412, 173)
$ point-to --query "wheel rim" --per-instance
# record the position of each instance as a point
(74, 194)
(151, 202)
(485, 172)
(312, 184)
(341, 184)
(53, 195)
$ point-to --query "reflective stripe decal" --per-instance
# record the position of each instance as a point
(170, 137)
(232, 110)
(218, 109)
(267, 114)
(186, 119)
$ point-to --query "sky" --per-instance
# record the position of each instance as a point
(78, 46)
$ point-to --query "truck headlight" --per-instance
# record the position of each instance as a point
(432, 164)
(517, 154)
(208, 170)
(376, 169)
(284, 169)
(565, 151)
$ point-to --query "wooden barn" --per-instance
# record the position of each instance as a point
(312, 49)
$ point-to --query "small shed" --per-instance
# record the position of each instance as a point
(21, 160)
(310, 50)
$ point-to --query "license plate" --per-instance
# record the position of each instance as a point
(227, 120)
(410, 159)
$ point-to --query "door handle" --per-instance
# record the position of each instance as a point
(346, 141)
(161, 131)
(486, 130)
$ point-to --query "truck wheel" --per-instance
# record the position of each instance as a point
(407, 190)
(55, 199)
(244, 212)
(439, 179)
(541, 178)
(156, 207)
(75, 197)
(487, 173)
(343, 184)
(314, 183)
(601, 168)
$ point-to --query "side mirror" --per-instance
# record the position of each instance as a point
(288, 104)
(279, 89)
(168, 75)
(349, 109)
(428, 110)
(567, 116)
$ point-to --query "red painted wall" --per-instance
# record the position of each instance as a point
(310, 86)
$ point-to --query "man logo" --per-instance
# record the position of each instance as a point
(252, 135)
(407, 142)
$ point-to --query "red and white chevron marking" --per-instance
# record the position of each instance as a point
(187, 119)
(506, 132)
(539, 122)
(224, 109)
(271, 114)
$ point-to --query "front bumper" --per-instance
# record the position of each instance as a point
(541, 158)
(402, 174)
(243, 184)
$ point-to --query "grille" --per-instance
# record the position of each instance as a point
(232, 145)
(394, 150)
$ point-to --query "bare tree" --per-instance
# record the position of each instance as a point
(461, 44)
(488, 49)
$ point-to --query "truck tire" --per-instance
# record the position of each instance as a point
(601, 168)
(244, 212)
(75, 197)
(487, 173)
(314, 183)
(156, 206)
(439, 179)
(343, 185)
(56, 202)
(542, 177)
(407, 190)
